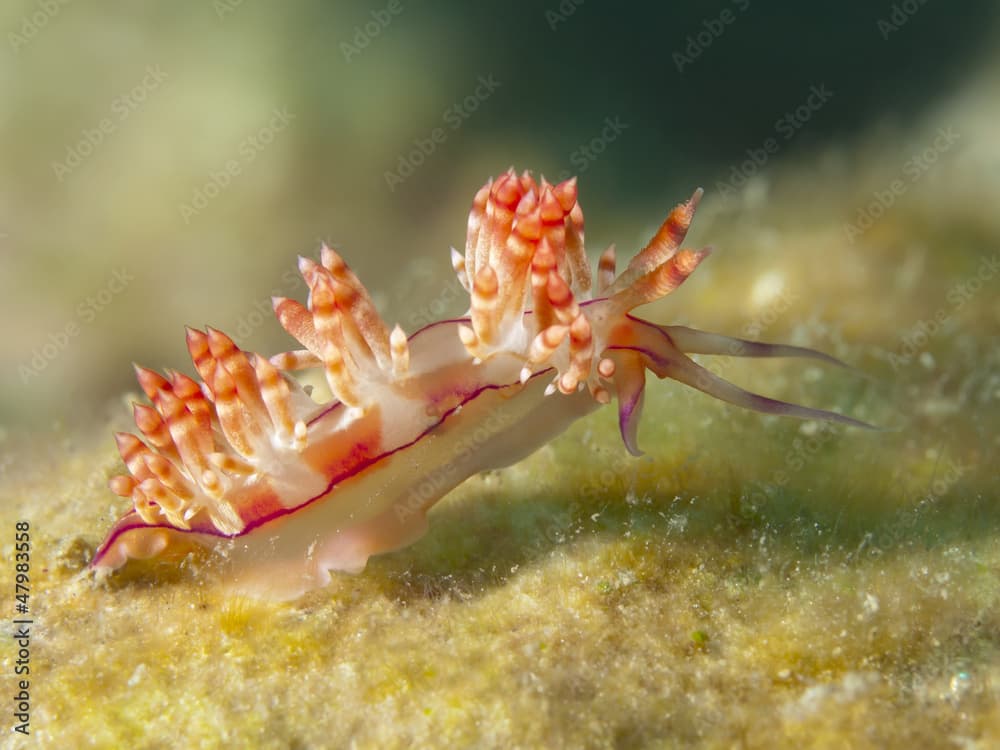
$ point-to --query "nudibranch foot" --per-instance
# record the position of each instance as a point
(286, 489)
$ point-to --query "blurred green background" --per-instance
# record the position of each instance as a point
(164, 163)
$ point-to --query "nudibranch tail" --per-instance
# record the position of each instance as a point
(286, 489)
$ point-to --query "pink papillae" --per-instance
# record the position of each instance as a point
(287, 489)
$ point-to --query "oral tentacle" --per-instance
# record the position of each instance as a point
(664, 355)
(690, 373)
(693, 341)
(666, 361)
(630, 387)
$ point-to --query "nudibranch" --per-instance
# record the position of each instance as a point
(286, 489)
